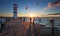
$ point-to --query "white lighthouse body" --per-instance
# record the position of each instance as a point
(15, 15)
(15, 11)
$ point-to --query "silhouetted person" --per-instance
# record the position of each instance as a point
(7, 19)
(1, 21)
(23, 19)
(2, 26)
(29, 30)
(39, 20)
(30, 20)
(32, 30)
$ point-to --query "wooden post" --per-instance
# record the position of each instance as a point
(52, 28)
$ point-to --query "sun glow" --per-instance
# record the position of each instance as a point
(31, 15)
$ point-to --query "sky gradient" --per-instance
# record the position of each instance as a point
(26, 7)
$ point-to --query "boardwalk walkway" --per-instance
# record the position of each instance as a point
(18, 28)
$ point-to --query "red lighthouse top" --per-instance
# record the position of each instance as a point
(15, 4)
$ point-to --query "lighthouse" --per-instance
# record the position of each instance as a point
(15, 11)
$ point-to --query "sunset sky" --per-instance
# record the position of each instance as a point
(26, 7)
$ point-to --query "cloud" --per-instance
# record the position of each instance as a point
(57, 3)
(52, 5)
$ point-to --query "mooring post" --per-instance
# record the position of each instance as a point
(52, 28)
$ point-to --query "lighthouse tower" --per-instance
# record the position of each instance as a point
(15, 11)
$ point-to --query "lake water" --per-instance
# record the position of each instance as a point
(44, 21)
